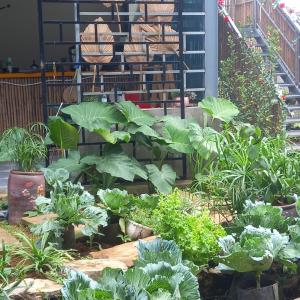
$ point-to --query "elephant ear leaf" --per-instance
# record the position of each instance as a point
(134, 114)
(221, 109)
(63, 134)
(163, 180)
(94, 115)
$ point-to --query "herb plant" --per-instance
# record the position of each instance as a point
(25, 147)
(177, 218)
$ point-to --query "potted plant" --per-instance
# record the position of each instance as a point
(254, 252)
(188, 97)
(133, 212)
(71, 206)
(25, 148)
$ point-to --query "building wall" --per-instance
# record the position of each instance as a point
(19, 31)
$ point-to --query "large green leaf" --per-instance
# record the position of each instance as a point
(176, 133)
(134, 114)
(163, 179)
(118, 165)
(203, 140)
(144, 129)
(94, 115)
(242, 262)
(220, 109)
(72, 163)
(64, 135)
(115, 136)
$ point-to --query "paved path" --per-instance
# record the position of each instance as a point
(4, 172)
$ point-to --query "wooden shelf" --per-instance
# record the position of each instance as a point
(34, 75)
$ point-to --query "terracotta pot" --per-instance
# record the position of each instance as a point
(289, 210)
(186, 101)
(268, 292)
(23, 189)
(137, 231)
(69, 240)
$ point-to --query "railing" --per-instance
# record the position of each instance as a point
(261, 15)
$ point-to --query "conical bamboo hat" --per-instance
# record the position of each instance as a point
(155, 11)
(139, 50)
(104, 35)
(154, 34)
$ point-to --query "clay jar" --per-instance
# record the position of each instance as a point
(23, 189)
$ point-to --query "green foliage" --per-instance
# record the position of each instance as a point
(264, 215)
(25, 147)
(40, 257)
(71, 205)
(255, 250)
(178, 218)
(248, 81)
(157, 280)
(64, 135)
(221, 109)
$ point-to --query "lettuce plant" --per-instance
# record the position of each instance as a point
(156, 276)
(177, 218)
(71, 206)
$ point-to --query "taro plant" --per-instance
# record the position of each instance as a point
(24, 147)
(178, 218)
(159, 273)
(71, 206)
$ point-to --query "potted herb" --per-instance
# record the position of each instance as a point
(134, 212)
(71, 206)
(254, 252)
(25, 148)
(188, 97)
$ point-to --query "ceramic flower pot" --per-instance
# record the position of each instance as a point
(23, 189)
(137, 231)
(186, 101)
(289, 210)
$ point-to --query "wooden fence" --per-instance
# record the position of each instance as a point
(262, 16)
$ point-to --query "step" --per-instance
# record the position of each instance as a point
(286, 84)
(292, 121)
(293, 147)
(293, 107)
(293, 133)
(280, 74)
(292, 97)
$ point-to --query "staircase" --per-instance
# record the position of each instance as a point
(284, 80)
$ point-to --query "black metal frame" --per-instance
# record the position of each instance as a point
(177, 60)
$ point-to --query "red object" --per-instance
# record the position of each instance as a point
(23, 189)
(227, 19)
(283, 97)
(282, 5)
(136, 98)
(221, 2)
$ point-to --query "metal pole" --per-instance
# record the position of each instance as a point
(78, 50)
(211, 48)
(254, 13)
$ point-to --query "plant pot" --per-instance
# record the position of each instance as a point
(23, 189)
(289, 210)
(137, 231)
(186, 101)
(247, 291)
(69, 240)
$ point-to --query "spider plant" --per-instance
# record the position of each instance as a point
(24, 147)
(40, 257)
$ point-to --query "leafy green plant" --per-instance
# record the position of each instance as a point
(178, 218)
(264, 215)
(157, 280)
(71, 206)
(254, 251)
(25, 147)
(41, 257)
